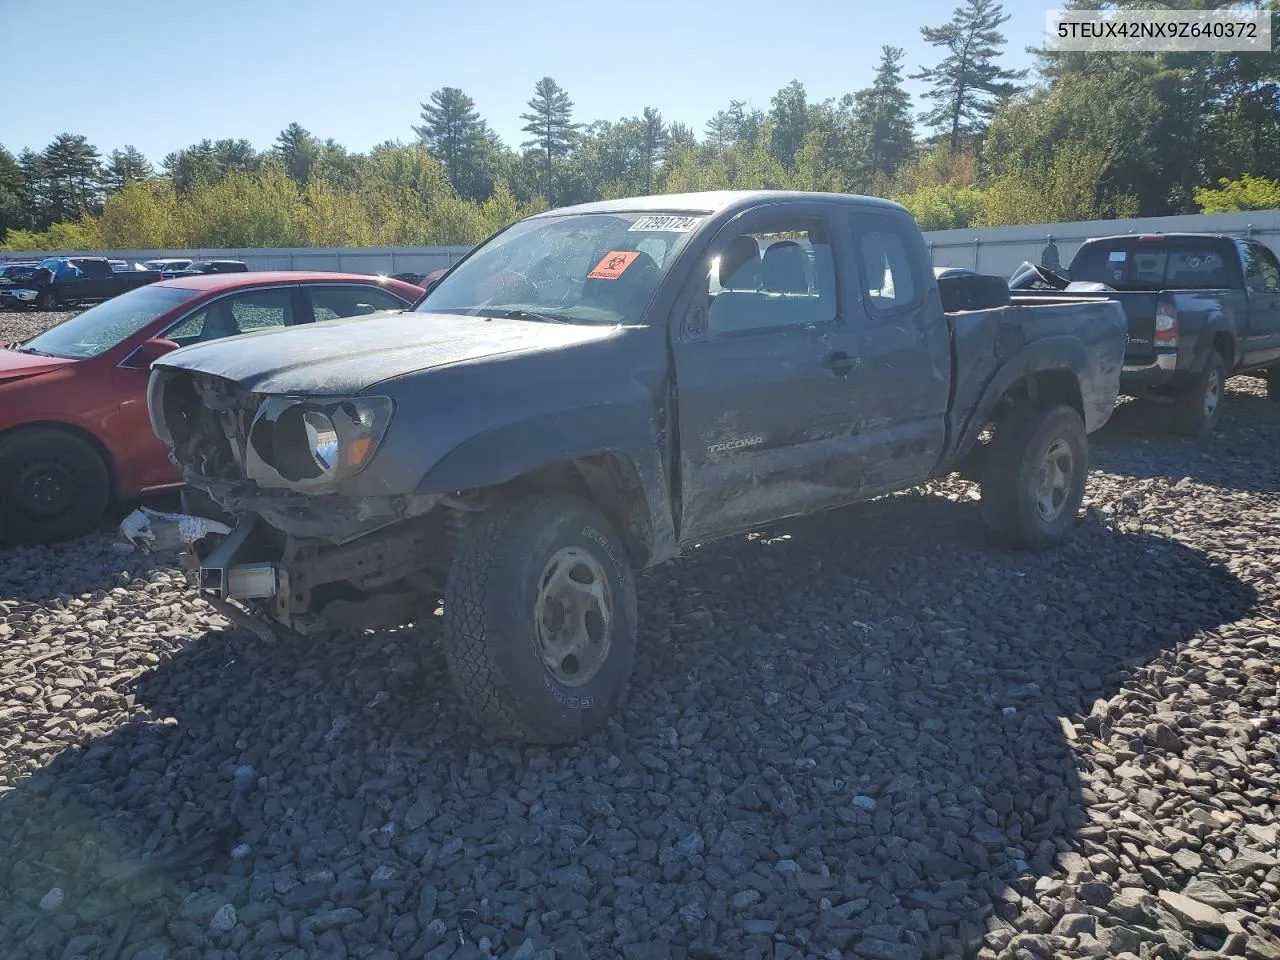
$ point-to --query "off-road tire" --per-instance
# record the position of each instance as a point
(1194, 414)
(46, 300)
(79, 470)
(1012, 473)
(490, 631)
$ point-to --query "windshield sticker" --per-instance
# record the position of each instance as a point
(1117, 256)
(613, 265)
(664, 224)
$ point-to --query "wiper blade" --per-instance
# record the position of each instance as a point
(530, 315)
(33, 350)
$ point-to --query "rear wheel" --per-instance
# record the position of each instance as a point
(540, 619)
(1198, 403)
(1034, 477)
(53, 486)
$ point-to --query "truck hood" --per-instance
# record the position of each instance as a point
(350, 355)
(15, 365)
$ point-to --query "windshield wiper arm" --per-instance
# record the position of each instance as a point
(33, 350)
(530, 315)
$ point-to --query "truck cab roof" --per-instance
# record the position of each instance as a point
(719, 201)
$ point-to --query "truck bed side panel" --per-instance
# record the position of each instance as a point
(994, 349)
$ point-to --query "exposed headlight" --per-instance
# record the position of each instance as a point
(315, 443)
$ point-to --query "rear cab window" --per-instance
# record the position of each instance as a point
(1134, 263)
(890, 275)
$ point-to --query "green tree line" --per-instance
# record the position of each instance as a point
(1089, 136)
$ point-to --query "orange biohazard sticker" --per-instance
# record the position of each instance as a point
(613, 265)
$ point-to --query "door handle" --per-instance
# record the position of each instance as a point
(841, 363)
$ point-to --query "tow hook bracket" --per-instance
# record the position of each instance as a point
(222, 577)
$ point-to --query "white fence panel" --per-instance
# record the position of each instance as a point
(995, 250)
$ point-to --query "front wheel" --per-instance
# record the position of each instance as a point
(53, 486)
(1198, 403)
(540, 619)
(46, 300)
(1034, 477)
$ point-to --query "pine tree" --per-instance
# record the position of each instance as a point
(125, 166)
(790, 116)
(458, 138)
(883, 131)
(11, 214)
(298, 150)
(73, 176)
(550, 121)
(967, 83)
(654, 138)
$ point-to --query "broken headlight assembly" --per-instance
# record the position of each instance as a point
(313, 444)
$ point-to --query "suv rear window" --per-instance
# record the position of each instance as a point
(1152, 265)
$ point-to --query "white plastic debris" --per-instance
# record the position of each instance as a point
(137, 528)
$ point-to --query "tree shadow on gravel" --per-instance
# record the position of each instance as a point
(1141, 440)
(844, 731)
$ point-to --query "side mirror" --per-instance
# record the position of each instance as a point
(151, 351)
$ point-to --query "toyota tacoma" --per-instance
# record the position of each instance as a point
(595, 389)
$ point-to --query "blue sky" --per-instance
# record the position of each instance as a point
(164, 76)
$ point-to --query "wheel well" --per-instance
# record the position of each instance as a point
(75, 431)
(1223, 343)
(1049, 387)
(607, 480)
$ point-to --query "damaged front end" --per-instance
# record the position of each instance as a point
(286, 544)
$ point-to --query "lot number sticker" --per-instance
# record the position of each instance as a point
(664, 224)
(613, 265)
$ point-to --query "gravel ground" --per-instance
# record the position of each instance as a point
(868, 734)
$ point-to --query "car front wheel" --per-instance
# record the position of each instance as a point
(53, 486)
(540, 619)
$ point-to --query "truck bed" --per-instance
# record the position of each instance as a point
(1069, 325)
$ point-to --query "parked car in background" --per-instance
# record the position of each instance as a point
(15, 276)
(1200, 308)
(168, 264)
(597, 388)
(212, 266)
(59, 282)
(74, 432)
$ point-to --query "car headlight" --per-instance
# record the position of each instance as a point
(315, 443)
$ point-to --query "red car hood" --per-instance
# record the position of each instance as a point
(15, 365)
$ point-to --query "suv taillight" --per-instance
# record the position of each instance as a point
(1166, 335)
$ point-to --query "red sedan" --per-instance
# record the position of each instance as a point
(74, 430)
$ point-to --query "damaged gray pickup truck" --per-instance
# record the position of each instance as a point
(593, 390)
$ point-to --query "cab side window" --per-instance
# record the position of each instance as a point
(779, 275)
(1268, 268)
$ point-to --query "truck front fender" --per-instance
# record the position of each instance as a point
(583, 440)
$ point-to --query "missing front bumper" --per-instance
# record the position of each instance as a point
(223, 573)
(378, 580)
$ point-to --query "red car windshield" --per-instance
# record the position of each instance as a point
(108, 324)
